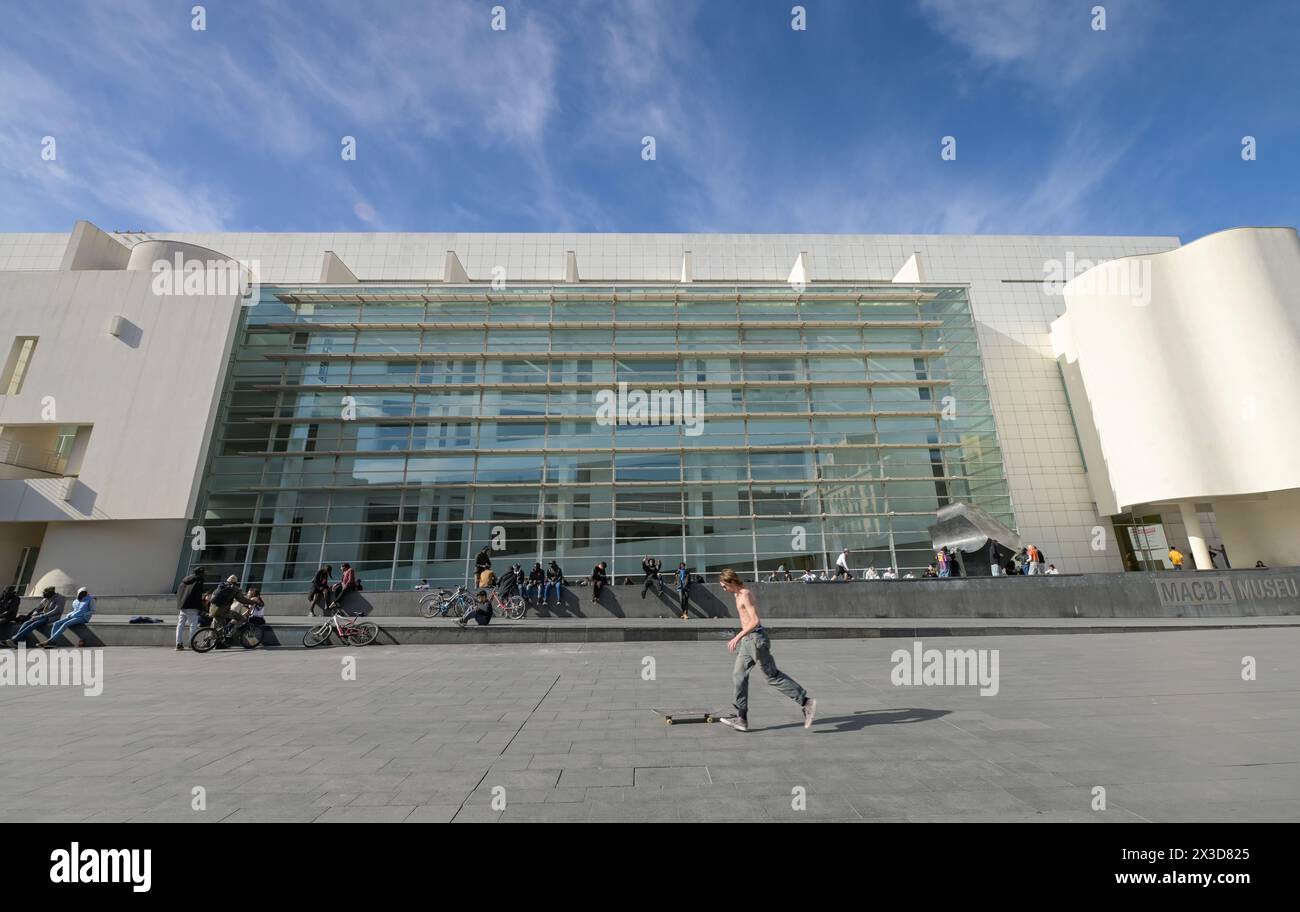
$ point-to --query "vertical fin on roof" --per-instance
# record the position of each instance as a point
(333, 271)
(688, 271)
(911, 271)
(570, 266)
(799, 274)
(453, 273)
(90, 248)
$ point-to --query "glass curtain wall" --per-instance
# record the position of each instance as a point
(402, 429)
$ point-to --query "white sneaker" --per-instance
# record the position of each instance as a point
(735, 722)
(809, 711)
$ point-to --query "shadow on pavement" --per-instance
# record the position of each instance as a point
(861, 719)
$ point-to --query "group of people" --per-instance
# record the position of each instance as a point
(324, 593)
(1029, 561)
(49, 611)
(197, 604)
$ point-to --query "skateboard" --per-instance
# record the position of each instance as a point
(683, 716)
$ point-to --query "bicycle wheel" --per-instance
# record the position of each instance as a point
(204, 639)
(317, 635)
(363, 634)
(513, 607)
(430, 606)
(251, 636)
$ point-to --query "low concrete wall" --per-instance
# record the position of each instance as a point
(1234, 593)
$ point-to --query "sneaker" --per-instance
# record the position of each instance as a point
(685, 616)
(735, 722)
(179, 647)
(809, 711)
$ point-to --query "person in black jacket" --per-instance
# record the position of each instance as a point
(599, 580)
(554, 578)
(319, 595)
(189, 602)
(536, 579)
(10, 604)
(482, 564)
(651, 567)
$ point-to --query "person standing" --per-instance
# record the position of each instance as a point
(683, 589)
(651, 567)
(482, 564)
(189, 602)
(842, 565)
(1175, 557)
(319, 594)
(83, 609)
(1041, 560)
(942, 558)
(752, 648)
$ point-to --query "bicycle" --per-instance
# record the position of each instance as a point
(441, 603)
(350, 631)
(512, 606)
(208, 638)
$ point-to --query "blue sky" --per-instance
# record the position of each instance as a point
(1060, 129)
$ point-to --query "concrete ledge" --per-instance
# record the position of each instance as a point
(1233, 593)
(288, 632)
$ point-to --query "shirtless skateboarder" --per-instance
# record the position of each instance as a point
(754, 649)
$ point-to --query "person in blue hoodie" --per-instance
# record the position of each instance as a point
(83, 609)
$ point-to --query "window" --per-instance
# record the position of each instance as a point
(20, 356)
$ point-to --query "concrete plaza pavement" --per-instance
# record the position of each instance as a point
(564, 732)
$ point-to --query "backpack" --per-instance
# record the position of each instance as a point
(222, 596)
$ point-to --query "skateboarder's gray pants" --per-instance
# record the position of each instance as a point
(756, 650)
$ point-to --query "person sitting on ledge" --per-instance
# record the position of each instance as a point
(48, 610)
(809, 577)
(83, 609)
(600, 579)
(1259, 565)
(871, 574)
(890, 574)
(931, 573)
(1052, 571)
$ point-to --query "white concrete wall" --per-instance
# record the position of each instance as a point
(1190, 371)
(150, 400)
(130, 557)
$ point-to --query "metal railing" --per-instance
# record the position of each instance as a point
(23, 456)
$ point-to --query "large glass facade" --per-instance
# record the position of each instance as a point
(402, 428)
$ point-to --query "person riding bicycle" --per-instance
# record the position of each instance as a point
(221, 603)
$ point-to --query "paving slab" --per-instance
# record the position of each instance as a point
(1165, 724)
